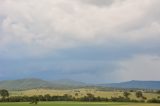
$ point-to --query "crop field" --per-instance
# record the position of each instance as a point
(77, 104)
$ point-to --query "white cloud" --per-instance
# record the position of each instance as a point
(44, 25)
(141, 67)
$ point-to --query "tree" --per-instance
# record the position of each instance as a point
(158, 91)
(34, 100)
(4, 93)
(90, 97)
(76, 94)
(139, 94)
(47, 97)
(126, 94)
(40, 97)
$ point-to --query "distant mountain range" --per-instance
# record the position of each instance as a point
(24, 84)
(32, 83)
(135, 84)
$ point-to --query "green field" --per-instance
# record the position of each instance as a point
(77, 104)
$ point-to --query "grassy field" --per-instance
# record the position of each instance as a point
(81, 93)
(77, 104)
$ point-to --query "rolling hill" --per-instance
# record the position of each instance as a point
(24, 84)
(32, 83)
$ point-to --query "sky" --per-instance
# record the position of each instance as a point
(93, 41)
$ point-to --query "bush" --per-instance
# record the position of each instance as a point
(154, 100)
(158, 91)
(139, 94)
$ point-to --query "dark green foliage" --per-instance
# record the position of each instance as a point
(154, 100)
(34, 100)
(92, 98)
(76, 94)
(126, 94)
(144, 98)
(88, 98)
(139, 94)
(123, 99)
(4, 93)
(158, 91)
(47, 97)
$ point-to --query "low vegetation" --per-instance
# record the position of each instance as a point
(78, 104)
(89, 97)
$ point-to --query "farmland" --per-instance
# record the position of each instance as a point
(77, 104)
(81, 93)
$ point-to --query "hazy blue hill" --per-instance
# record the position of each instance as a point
(135, 84)
(24, 84)
(38, 83)
(32, 83)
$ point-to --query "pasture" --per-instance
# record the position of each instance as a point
(77, 104)
(81, 93)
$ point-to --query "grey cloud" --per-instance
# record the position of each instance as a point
(62, 69)
(58, 29)
(139, 67)
(99, 2)
(41, 28)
